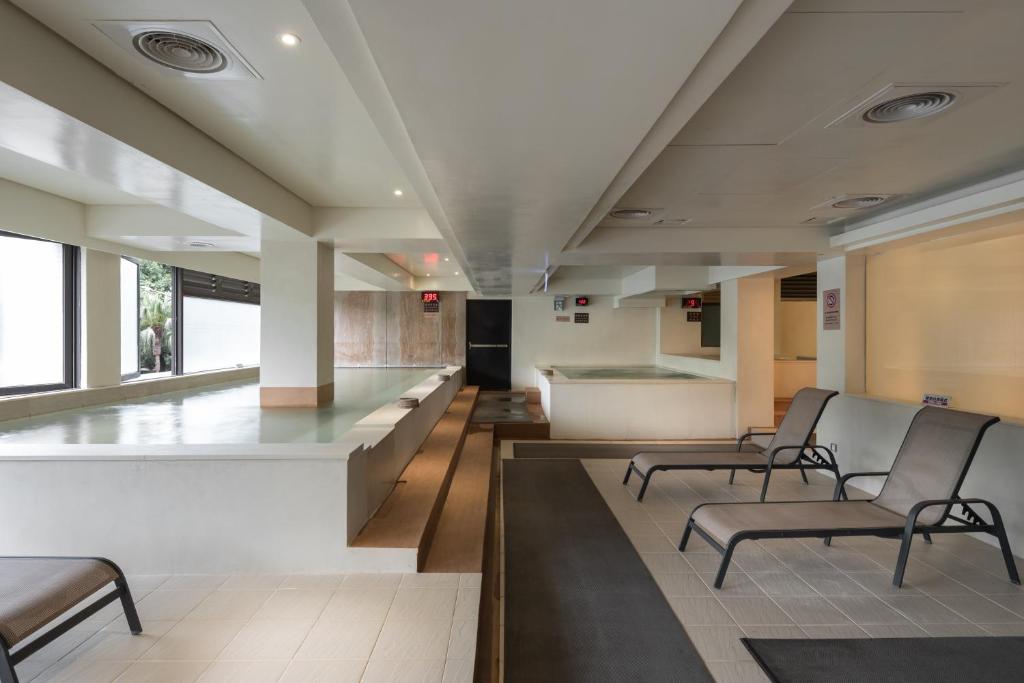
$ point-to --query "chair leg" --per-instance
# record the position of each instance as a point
(629, 471)
(1004, 545)
(7, 672)
(901, 560)
(643, 486)
(130, 613)
(732, 476)
(828, 541)
(803, 475)
(724, 567)
(927, 538)
(686, 535)
(764, 486)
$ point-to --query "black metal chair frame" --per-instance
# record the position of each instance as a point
(811, 457)
(968, 522)
(120, 592)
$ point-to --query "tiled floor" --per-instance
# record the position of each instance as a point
(795, 589)
(336, 628)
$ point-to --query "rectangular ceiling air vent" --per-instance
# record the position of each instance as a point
(906, 103)
(192, 49)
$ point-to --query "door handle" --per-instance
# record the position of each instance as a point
(487, 346)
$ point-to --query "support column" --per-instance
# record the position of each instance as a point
(755, 353)
(841, 352)
(100, 319)
(296, 324)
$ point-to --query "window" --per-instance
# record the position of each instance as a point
(147, 318)
(38, 315)
(220, 322)
(711, 325)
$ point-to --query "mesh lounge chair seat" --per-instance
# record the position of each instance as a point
(789, 448)
(35, 591)
(919, 495)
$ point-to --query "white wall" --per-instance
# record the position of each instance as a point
(614, 336)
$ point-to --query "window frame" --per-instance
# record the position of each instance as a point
(138, 298)
(72, 332)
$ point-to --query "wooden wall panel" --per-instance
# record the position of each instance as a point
(391, 329)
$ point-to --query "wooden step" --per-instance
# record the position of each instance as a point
(458, 544)
(409, 515)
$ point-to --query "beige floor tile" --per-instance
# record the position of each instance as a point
(341, 639)
(737, 672)
(700, 611)
(784, 583)
(67, 642)
(755, 611)
(682, 585)
(405, 671)
(413, 639)
(324, 671)
(432, 602)
(706, 562)
(146, 582)
(116, 643)
(252, 582)
(230, 604)
(653, 544)
(458, 671)
(163, 672)
(313, 582)
(880, 583)
(834, 631)
(359, 604)
(666, 563)
(833, 583)
(866, 609)
(1014, 603)
(922, 609)
(462, 643)
(200, 640)
(373, 581)
(73, 670)
(736, 585)
(1004, 629)
(718, 643)
(467, 604)
(425, 580)
(194, 581)
(894, 631)
(262, 639)
(162, 605)
(953, 630)
(297, 603)
(812, 610)
(774, 632)
(979, 609)
(29, 669)
(244, 672)
(470, 580)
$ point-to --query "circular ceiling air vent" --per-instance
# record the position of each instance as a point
(631, 214)
(180, 52)
(909, 107)
(860, 202)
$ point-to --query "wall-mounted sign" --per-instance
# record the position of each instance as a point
(693, 316)
(830, 309)
(431, 302)
(583, 318)
(691, 302)
(940, 400)
(583, 301)
(559, 303)
(563, 319)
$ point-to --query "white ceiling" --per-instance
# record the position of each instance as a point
(302, 124)
(55, 180)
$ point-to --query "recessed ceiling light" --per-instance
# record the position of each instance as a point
(396, 275)
(632, 214)
(446, 259)
(398, 193)
(862, 202)
(907, 107)
(428, 274)
(456, 272)
(289, 39)
(198, 244)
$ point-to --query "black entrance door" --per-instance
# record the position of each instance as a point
(489, 343)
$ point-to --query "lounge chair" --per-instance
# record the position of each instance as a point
(35, 591)
(790, 448)
(919, 495)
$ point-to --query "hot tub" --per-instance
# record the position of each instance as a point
(635, 402)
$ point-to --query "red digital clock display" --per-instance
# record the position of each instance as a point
(583, 301)
(428, 297)
(691, 302)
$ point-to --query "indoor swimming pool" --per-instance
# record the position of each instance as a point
(628, 372)
(219, 414)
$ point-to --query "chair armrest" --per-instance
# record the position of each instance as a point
(841, 483)
(966, 502)
(747, 435)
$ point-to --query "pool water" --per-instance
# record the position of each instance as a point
(623, 372)
(220, 414)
